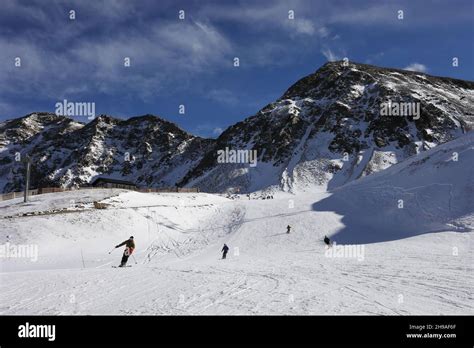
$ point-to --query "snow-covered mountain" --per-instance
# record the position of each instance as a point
(146, 150)
(422, 251)
(326, 129)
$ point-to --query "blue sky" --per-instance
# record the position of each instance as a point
(190, 61)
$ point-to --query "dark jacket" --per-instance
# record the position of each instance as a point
(129, 243)
(326, 240)
(225, 248)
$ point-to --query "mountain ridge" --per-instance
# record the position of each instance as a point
(325, 129)
(344, 101)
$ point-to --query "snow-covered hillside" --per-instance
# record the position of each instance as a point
(146, 150)
(68, 227)
(412, 260)
(424, 194)
(326, 130)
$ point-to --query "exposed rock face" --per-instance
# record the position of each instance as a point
(146, 150)
(327, 129)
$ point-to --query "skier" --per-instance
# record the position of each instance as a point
(288, 228)
(129, 247)
(327, 241)
(224, 250)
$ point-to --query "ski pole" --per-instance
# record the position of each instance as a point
(135, 259)
(82, 256)
(111, 250)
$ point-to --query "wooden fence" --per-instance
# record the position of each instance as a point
(43, 190)
(168, 189)
(12, 195)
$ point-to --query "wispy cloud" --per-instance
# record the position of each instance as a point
(416, 67)
(170, 53)
(84, 58)
(364, 15)
(207, 130)
(302, 26)
(223, 96)
(330, 55)
(266, 15)
(217, 131)
(270, 27)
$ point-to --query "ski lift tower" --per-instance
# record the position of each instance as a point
(27, 161)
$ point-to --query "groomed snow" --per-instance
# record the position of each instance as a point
(415, 260)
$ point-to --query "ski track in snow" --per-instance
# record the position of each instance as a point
(179, 238)
(275, 273)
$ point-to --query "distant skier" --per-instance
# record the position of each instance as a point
(224, 250)
(129, 247)
(327, 241)
(288, 228)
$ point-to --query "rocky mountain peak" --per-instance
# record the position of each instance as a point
(327, 129)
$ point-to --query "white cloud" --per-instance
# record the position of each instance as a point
(301, 26)
(363, 15)
(323, 32)
(330, 55)
(207, 130)
(386, 13)
(169, 56)
(264, 16)
(416, 67)
(217, 131)
(166, 55)
(223, 96)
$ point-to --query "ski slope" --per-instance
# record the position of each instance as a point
(416, 259)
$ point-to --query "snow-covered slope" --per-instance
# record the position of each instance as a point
(328, 129)
(430, 192)
(66, 226)
(415, 260)
(325, 130)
